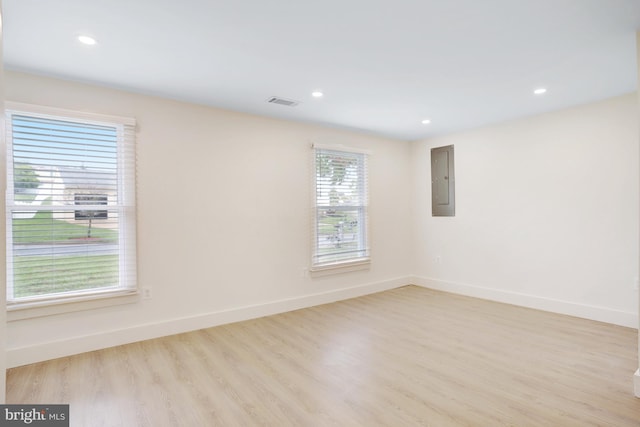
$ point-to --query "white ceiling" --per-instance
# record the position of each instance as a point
(383, 65)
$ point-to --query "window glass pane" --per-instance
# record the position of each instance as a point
(339, 234)
(54, 253)
(54, 159)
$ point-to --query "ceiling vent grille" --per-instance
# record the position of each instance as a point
(282, 101)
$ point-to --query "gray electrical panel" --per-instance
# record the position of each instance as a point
(443, 201)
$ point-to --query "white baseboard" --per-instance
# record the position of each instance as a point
(636, 383)
(76, 345)
(602, 314)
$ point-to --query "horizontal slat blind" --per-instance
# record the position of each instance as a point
(341, 207)
(70, 207)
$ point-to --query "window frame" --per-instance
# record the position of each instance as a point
(363, 259)
(127, 290)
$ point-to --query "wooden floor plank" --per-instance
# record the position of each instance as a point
(405, 357)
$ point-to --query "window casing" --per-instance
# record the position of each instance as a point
(340, 208)
(56, 161)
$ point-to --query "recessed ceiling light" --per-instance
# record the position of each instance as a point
(540, 91)
(317, 94)
(426, 121)
(87, 40)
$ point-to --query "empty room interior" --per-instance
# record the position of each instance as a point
(354, 213)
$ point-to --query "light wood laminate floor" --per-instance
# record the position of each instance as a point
(405, 357)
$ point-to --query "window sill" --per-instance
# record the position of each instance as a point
(31, 309)
(340, 267)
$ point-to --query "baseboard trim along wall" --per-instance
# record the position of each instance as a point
(590, 312)
(76, 345)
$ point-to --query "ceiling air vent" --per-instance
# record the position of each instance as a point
(282, 101)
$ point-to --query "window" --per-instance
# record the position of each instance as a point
(56, 161)
(341, 199)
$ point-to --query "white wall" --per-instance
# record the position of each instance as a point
(546, 212)
(223, 220)
(546, 216)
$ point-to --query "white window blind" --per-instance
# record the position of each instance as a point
(341, 204)
(70, 206)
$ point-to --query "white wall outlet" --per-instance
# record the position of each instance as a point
(304, 272)
(438, 259)
(146, 293)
